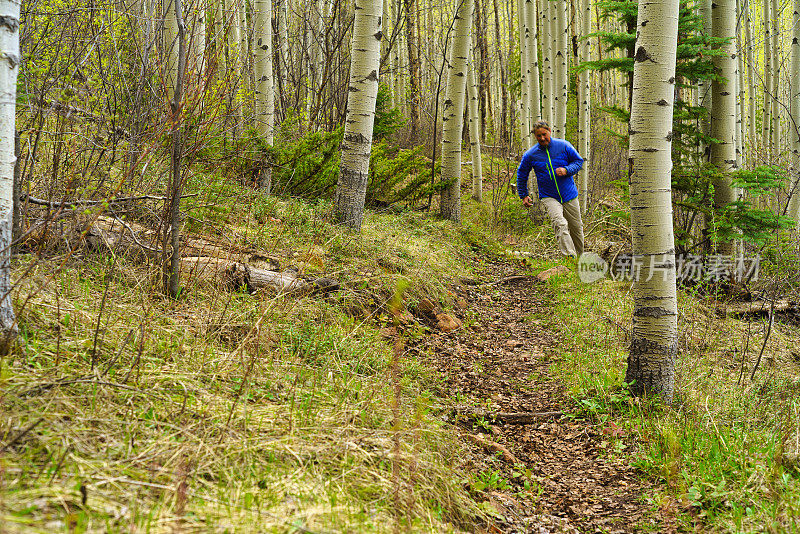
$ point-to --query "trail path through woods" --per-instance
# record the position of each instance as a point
(500, 363)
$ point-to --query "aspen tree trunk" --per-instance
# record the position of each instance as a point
(197, 62)
(526, 117)
(9, 70)
(171, 235)
(547, 62)
(170, 44)
(484, 95)
(532, 52)
(740, 90)
(561, 80)
(503, 77)
(230, 24)
(265, 93)
(723, 127)
(397, 35)
(776, 76)
(751, 83)
(766, 119)
(654, 337)
(413, 68)
(794, 110)
(283, 61)
(704, 93)
(584, 104)
(474, 135)
(365, 53)
(453, 113)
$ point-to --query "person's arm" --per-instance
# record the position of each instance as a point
(525, 166)
(575, 161)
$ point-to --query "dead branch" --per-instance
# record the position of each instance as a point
(491, 446)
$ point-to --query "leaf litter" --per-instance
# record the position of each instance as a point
(554, 474)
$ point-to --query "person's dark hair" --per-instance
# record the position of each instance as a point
(541, 124)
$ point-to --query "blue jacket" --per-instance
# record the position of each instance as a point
(544, 162)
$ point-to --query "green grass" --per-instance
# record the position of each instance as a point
(725, 453)
(278, 411)
(225, 410)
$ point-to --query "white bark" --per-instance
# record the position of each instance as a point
(777, 106)
(365, 49)
(751, 84)
(740, 90)
(794, 123)
(766, 117)
(265, 89)
(526, 119)
(283, 37)
(453, 113)
(723, 125)
(560, 78)
(196, 62)
(704, 87)
(651, 361)
(475, 134)
(397, 85)
(233, 62)
(584, 104)
(172, 203)
(170, 47)
(547, 62)
(9, 69)
(532, 53)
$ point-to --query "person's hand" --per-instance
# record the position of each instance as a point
(561, 171)
(527, 202)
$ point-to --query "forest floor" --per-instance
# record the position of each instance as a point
(557, 473)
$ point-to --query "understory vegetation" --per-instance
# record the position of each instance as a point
(231, 410)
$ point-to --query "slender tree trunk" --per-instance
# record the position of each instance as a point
(532, 52)
(766, 119)
(197, 63)
(654, 337)
(776, 76)
(474, 135)
(365, 50)
(723, 126)
(584, 104)
(751, 83)
(526, 117)
(171, 244)
(230, 24)
(704, 87)
(794, 123)
(547, 62)
(265, 92)
(561, 80)
(452, 117)
(9, 70)
(484, 93)
(503, 78)
(740, 90)
(283, 61)
(413, 69)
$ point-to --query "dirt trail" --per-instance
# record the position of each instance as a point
(499, 362)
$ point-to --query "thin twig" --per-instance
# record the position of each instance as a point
(766, 338)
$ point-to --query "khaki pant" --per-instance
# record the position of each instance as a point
(567, 224)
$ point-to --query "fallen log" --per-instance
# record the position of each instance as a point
(122, 236)
(236, 275)
(755, 307)
(491, 446)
